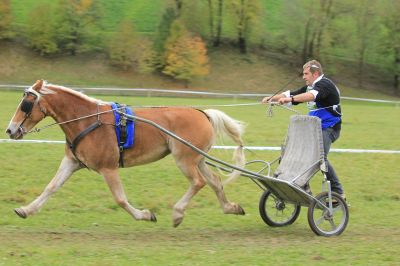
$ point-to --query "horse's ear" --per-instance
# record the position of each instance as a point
(38, 84)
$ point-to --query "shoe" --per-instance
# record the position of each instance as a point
(340, 194)
(343, 196)
(335, 203)
(307, 189)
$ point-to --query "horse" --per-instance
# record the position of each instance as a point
(91, 142)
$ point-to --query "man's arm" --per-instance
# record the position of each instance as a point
(273, 98)
(300, 98)
(286, 94)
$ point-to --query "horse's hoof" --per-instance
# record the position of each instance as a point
(177, 222)
(241, 211)
(21, 213)
(153, 218)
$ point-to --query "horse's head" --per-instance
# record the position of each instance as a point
(29, 112)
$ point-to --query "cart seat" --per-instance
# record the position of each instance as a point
(303, 151)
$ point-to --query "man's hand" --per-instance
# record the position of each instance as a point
(266, 99)
(285, 100)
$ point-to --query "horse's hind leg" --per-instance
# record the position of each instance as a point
(114, 183)
(214, 182)
(191, 171)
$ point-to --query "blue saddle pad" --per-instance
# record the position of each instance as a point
(129, 128)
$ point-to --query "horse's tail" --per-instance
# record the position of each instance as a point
(225, 125)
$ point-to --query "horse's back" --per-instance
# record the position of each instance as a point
(152, 144)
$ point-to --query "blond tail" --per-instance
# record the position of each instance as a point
(225, 125)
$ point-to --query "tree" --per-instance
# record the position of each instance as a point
(366, 24)
(308, 29)
(179, 4)
(5, 20)
(127, 50)
(217, 39)
(122, 48)
(247, 13)
(215, 34)
(163, 32)
(391, 22)
(185, 55)
(77, 25)
(40, 30)
(316, 23)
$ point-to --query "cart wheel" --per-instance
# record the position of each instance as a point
(276, 212)
(323, 223)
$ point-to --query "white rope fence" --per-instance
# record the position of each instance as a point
(163, 92)
(254, 148)
(158, 92)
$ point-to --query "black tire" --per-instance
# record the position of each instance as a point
(276, 212)
(325, 224)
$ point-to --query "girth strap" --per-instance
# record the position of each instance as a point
(124, 129)
(73, 145)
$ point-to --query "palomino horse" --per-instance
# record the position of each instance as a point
(97, 148)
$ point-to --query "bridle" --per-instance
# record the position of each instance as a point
(27, 106)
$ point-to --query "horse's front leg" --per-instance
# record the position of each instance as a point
(67, 167)
(114, 183)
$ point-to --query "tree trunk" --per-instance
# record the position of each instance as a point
(304, 55)
(361, 66)
(311, 44)
(326, 8)
(211, 19)
(242, 44)
(217, 40)
(242, 29)
(179, 4)
(397, 70)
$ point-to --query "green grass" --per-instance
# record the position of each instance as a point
(82, 225)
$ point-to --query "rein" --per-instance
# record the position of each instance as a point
(271, 104)
(35, 130)
(74, 143)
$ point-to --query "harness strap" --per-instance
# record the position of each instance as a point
(72, 145)
(121, 157)
(122, 127)
(123, 135)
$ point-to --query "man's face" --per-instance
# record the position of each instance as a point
(309, 77)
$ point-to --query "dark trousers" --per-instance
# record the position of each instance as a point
(330, 135)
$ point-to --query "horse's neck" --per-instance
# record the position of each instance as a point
(66, 105)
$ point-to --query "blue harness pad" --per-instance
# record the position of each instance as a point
(129, 128)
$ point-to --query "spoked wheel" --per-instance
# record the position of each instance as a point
(324, 223)
(276, 212)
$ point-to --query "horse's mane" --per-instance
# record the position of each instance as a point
(47, 89)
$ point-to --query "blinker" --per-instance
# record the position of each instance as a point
(26, 106)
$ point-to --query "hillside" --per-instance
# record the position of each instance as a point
(229, 73)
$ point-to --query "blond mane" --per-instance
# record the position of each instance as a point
(47, 89)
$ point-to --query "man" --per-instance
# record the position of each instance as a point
(323, 100)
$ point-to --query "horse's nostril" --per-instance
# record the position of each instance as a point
(8, 131)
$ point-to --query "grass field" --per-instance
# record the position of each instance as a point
(81, 225)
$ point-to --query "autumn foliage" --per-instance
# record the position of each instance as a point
(185, 54)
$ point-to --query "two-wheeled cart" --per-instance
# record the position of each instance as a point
(286, 190)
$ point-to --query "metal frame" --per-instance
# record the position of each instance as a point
(301, 198)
